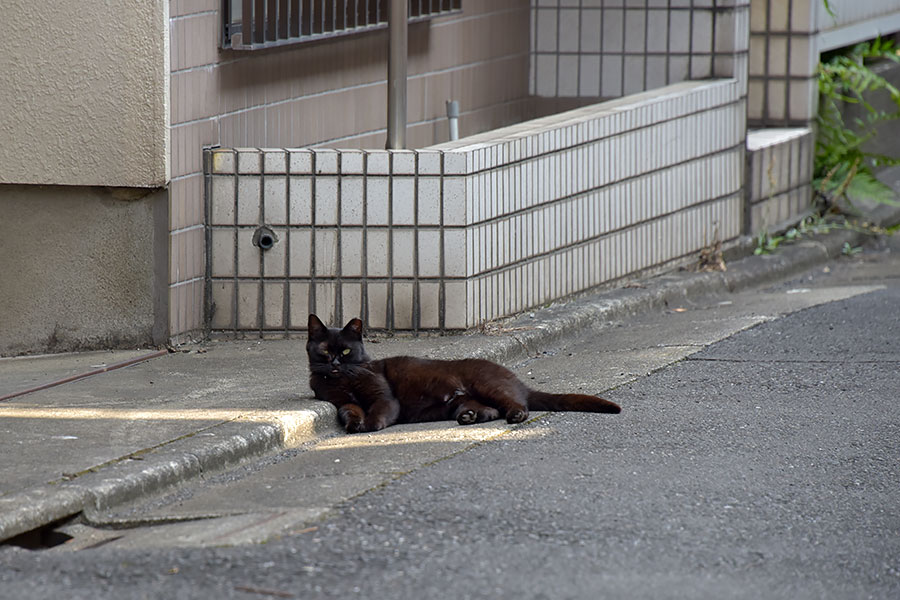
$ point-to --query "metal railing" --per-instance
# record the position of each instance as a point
(254, 24)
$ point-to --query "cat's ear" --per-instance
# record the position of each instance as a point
(354, 328)
(316, 328)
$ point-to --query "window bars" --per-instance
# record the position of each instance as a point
(254, 24)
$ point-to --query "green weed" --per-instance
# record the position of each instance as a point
(849, 250)
(811, 225)
(843, 168)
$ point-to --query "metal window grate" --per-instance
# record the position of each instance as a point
(254, 24)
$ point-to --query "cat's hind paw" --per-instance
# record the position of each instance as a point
(516, 416)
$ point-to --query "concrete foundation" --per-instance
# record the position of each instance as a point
(81, 268)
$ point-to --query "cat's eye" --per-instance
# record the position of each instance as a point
(346, 351)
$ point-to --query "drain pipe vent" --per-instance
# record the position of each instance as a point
(264, 238)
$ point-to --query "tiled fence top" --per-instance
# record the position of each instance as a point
(553, 133)
(491, 149)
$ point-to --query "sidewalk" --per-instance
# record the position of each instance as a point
(128, 430)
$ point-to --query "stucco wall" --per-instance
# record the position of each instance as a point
(78, 269)
(84, 99)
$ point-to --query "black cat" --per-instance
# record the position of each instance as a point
(374, 394)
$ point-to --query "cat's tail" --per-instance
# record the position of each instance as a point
(571, 402)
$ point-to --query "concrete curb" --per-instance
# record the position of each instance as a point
(518, 338)
(527, 335)
(162, 467)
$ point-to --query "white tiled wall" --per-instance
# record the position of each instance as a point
(372, 233)
(461, 233)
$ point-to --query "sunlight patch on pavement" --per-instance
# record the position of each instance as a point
(434, 432)
(124, 414)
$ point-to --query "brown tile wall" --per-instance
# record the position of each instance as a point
(613, 48)
(330, 93)
(783, 88)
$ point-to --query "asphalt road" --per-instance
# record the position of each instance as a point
(764, 465)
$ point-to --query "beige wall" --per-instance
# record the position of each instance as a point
(330, 93)
(81, 267)
(84, 99)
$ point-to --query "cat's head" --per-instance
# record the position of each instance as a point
(330, 348)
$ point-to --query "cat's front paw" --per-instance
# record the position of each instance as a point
(354, 426)
(374, 425)
(467, 417)
(351, 417)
